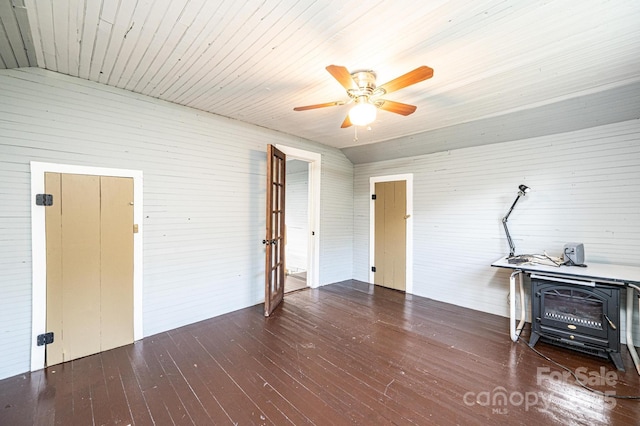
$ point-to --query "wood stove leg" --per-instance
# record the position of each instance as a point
(632, 349)
(616, 357)
(513, 330)
(533, 339)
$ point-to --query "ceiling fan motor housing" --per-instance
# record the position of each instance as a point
(366, 82)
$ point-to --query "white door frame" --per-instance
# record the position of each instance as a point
(313, 253)
(39, 249)
(408, 177)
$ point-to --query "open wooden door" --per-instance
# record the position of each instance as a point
(274, 239)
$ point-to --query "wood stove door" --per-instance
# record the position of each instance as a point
(591, 313)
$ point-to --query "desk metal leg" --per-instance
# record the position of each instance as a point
(630, 345)
(513, 330)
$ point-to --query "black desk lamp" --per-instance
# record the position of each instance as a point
(521, 193)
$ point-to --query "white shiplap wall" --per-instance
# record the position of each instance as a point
(585, 188)
(336, 218)
(297, 215)
(203, 197)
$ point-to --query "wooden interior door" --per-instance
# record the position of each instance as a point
(391, 234)
(89, 237)
(275, 232)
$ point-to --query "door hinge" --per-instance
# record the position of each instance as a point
(44, 200)
(45, 339)
(373, 196)
(373, 269)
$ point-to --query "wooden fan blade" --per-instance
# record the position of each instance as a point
(343, 76)
(397, 107)
(327, 104)
(412, 77)
(346, 123)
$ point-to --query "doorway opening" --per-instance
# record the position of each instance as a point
(376, 227)
(302, 216)
(297, 225)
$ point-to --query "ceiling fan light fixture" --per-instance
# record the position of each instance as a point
(361, 87)
(362, 113)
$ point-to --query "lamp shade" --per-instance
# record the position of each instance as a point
(362, 114)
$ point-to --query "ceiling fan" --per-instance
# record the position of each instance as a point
(361, 89)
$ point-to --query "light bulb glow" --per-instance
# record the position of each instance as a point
(362, 114)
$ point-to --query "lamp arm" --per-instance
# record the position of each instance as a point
(504, 219)
(512, 246)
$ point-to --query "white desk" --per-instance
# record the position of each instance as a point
(627, 276)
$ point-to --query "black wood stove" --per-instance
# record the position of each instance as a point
(585, 318)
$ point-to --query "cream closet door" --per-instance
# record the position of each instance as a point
(89, 231)
(391, 234)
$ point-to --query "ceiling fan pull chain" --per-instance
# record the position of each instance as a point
(355, 137)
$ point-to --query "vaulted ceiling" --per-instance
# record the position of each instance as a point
(502, 69)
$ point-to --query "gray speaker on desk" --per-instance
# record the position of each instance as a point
(574, 253)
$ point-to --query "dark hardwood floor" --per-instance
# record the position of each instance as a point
(348, 353)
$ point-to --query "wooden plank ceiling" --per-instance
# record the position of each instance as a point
(255, 60)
